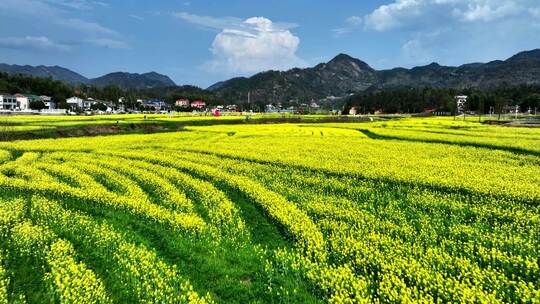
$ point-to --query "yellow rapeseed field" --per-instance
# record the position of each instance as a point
(410, 210)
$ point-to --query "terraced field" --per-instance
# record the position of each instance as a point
(414, 210)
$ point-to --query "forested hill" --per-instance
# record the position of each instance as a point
(344, 75)
(59, 90)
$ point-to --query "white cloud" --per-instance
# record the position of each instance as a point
(535, 12)
(351, 24)
(391, 16)
(210, 22)
(63, 15)
(342, 30)
(136, 17)
(354, 20)
(47, 8)
(249, 46)
(72, 4)
(221, 23)
(31, 42)
(85, 26)
(419, 51)
(466, 30)
(27, 8)
(405, 13)
(487, 12)
(260, 47)
(108, 43)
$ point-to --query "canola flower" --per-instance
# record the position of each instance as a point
(70, 281)
(139, 269)
(401, 211)
(4, 281)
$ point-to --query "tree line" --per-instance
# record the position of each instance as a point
(417, 100)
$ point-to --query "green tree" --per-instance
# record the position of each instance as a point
(98, 106)
(37, 105)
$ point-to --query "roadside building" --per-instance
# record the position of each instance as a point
(79, 103)
(23, 103)
(7, 101)
(183, 103)
(233, 108)
(199, 104)
(270, 108)
(49, 103)
(75, 102)
(155, 104)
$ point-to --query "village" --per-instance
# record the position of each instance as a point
(33, 104)
(21, 104)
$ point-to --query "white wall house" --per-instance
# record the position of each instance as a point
(22, 102)
(7, 101)
(75, 102)
(49, 103)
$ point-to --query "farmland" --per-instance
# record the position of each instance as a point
(408, 210)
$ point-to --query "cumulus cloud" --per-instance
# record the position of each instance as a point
(31, 42)
(249, 46)
(259, 47)
(487, 12)
(393, 15)
(404, 13)
(458, 30)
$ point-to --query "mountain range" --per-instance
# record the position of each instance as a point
(121, 79)
(340, 76)
(344, 75)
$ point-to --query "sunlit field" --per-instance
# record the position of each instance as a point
(409, 210)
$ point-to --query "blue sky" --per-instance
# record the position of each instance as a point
(201, 42)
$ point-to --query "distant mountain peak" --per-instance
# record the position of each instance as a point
(344, 59)
(55, 72)
(152, 73)
(526, 55)
(127, 80)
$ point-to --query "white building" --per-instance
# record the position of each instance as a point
(83, 104)
(7, 101)
(22, 102)
(49, 103)
(461, 100)
(74, 102)
(184, 103)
